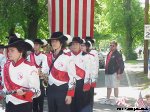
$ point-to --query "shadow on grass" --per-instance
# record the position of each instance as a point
(143, 81)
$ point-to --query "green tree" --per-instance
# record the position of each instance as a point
(28, 17)
(126, 19)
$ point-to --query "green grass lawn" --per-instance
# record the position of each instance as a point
(132, 61)
(144, 82)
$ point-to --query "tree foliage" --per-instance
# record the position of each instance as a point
(27, 17)
(123, 20)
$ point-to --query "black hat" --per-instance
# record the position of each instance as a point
(2, 46)
(89, 39)
(77, 39)
(12, 36)
(38, 41)
(12, 40)
(58, 36)
(20, 44)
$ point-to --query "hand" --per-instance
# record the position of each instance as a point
(119, 76)
(68, 100)
(20, 92)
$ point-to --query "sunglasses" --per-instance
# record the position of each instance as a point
(112, 45)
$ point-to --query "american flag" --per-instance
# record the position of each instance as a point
(73, 17)
(140, 102)
(122, 102)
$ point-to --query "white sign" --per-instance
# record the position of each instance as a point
(147, 32)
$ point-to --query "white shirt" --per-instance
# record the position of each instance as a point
(63, 63)
(95, 53)
(2, 60)
(41, 60)
(24, 75)
(83, 62)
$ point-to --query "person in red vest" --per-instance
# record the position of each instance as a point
(82, 65)
(20, 76)
(113, 71)
(40, 61)
(61, 79)
(85, 47)
(93, 52)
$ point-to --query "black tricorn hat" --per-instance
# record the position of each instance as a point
(2, 46)
(88, 38)
(77, 39)
(12, 36)
(20, 44)
(38, 41)
(58, 36)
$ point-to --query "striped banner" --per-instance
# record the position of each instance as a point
(73, 17)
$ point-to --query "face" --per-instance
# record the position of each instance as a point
(1, 50)
(45, 48)
(37, 46)
(148, 100)
(14, 54)
(113, 47)
(55, 44)
(83, 47)
(75, 47)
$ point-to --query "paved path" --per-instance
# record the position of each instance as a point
(128, 89)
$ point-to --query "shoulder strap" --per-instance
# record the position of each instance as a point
(61, 52)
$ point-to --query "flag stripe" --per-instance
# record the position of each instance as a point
(80, 18)
(57, 15)
(68, 17)
(76, 17)
(65, 17)
(72, 16)
(92, 18)
(53, 16)
(61, 15)
(84, 18)
(88, 17)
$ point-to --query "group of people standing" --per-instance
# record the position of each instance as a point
(66, 75)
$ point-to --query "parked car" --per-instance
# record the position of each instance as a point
(101, 60)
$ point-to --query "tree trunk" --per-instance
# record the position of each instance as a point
(128, 33)
(11, 30)
(32, 20)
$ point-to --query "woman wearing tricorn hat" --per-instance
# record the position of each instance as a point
(85, 46)
(61, 75)
(94, 52)
(21, 76)
(82, 75)
(40, 61)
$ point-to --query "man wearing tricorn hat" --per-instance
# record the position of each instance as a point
(21, 76)
(61, 79)
(40, 61)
